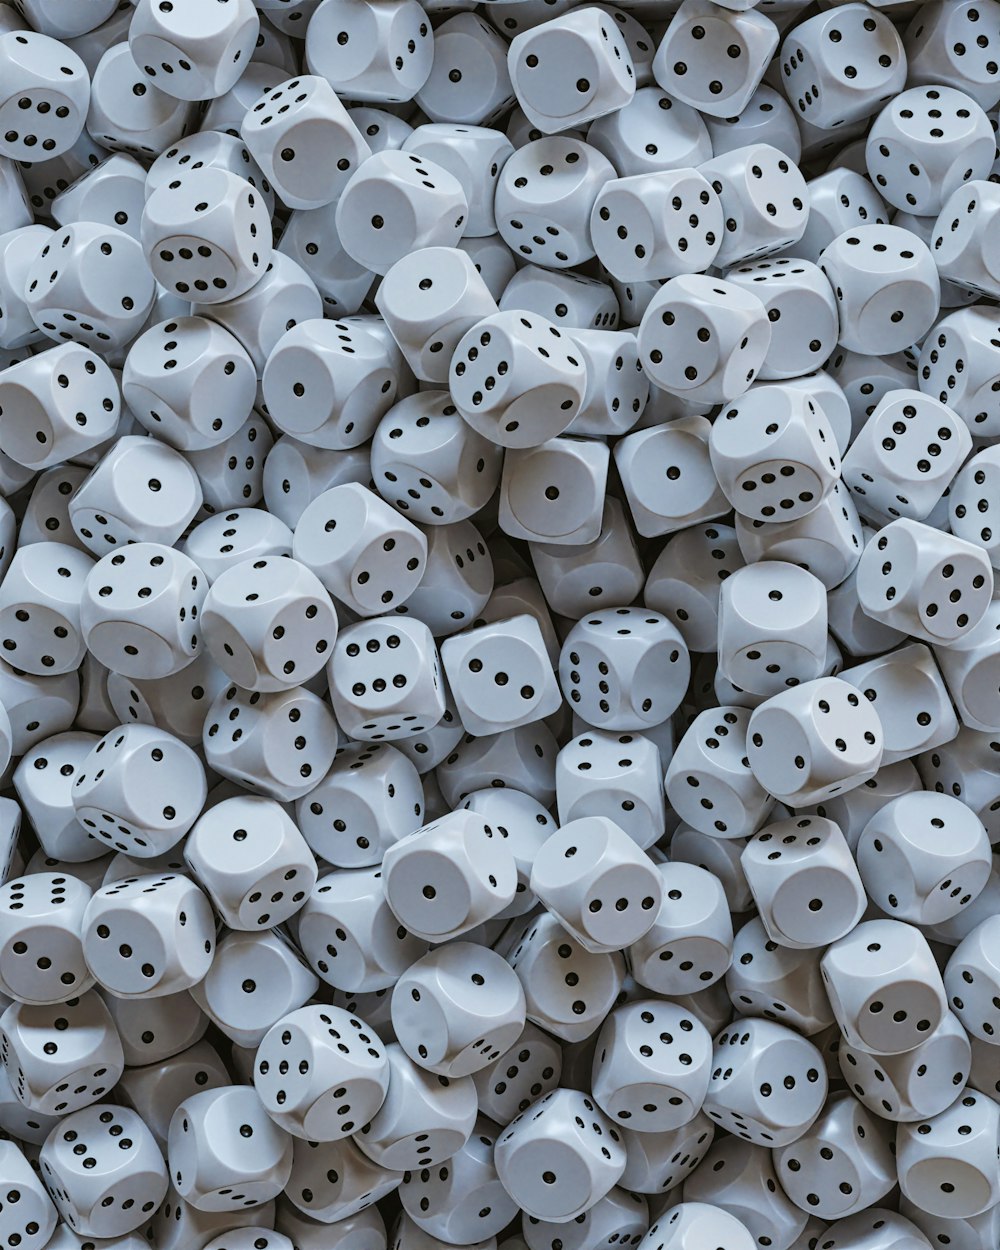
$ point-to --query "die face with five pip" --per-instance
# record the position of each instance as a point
(652, 1066)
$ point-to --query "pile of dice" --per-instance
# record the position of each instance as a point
(499, 656)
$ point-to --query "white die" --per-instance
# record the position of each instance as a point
(703, 338)
(382, 54)
(422, 204)
(553, 1165)
(51, 77)
(320, 1074)
(689, 62)
(302, 138)
(449, 876)
(884, 987)
(887, 288)
(516, 380)
(931, 585)
(814, 741)
(57, 405)
(477, 996)
(189, 382)
(651, 1052)
(148, 936)
(197, 55)
(853, 56)
(940, 133)
(345, 536)
(253, 862)
(804, 881)
(570, 70)
(211, 210)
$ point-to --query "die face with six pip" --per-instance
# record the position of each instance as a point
(54, 82)
(304, 140)
(648, 668)
(538, 383)
(207, 210)
(855, 58)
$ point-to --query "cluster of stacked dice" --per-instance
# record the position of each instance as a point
(499, 664)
